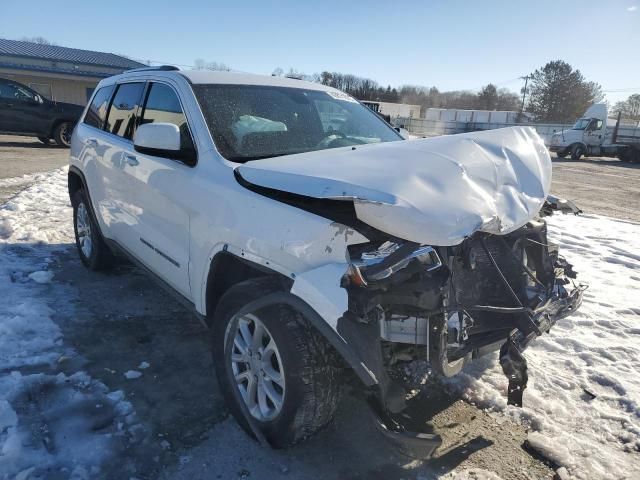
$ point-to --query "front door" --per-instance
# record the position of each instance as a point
(156, 195)
(594, 133)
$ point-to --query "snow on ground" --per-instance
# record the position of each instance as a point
(583, 397)
(54, 422)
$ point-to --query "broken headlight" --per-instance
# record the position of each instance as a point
(389, 258)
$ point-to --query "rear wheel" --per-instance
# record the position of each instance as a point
(577, 152)
(93, 251)
(274, 362)
(62, 134)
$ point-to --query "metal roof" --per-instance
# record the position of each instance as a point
(18, 48)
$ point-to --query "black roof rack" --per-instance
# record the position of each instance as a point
(163, 68)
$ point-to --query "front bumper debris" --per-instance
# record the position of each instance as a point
(416, 445)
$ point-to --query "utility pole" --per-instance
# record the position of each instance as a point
(524, 94)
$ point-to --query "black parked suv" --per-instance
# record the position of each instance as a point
(25, 112)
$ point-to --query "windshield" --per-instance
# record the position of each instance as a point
(581, 124)
(249, 122)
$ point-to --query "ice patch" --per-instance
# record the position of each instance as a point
(144, 365)
(471, 474)
(41, 276)
(132, 374)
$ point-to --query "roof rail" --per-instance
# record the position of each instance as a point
(164, 68)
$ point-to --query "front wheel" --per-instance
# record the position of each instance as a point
(62, 134)
(275, 363)
(577, 151)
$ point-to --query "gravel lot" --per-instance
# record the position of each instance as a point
(605, 186)
(22, 157)
(187, 430)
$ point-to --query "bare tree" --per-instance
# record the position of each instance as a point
(38, 40)
(200, 64)
(629, 108)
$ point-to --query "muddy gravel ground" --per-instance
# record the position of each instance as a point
(605, 186)
(117, 320)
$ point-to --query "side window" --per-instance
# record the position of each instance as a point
(598, 124)
(11, 91)
(162, 105)
(121, 119)
(97, 112)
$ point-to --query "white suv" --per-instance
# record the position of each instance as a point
(312, 239)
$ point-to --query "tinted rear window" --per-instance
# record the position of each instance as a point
(121, 119)
(97, 112)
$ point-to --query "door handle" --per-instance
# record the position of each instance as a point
(131, 159)
(92, 142)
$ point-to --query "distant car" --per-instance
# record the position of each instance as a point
(24, 111)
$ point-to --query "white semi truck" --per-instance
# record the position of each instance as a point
(594, 134)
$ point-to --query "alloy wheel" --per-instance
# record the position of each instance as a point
(83, 227)
(257, 368)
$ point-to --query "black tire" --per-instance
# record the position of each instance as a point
(99, 257)
(62, 134)
(310, 365)
(577, 151)
(44, 140)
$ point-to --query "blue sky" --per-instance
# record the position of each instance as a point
(450, 44)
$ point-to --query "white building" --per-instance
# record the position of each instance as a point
(394, 110)
(475, 116)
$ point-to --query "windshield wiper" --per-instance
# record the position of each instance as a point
(249, 158)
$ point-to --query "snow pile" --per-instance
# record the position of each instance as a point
(471, 474)
(52, 423)
(583, 397)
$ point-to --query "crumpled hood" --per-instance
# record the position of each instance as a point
(434, 191)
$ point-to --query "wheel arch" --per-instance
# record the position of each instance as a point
(226, 270)
(75, 181)
(574, 144)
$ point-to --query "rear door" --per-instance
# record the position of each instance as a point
(156, 194)
(114, 207)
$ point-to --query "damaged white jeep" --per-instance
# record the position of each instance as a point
(312, 239)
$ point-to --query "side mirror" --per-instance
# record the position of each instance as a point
(403, 132)
(162, 140)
